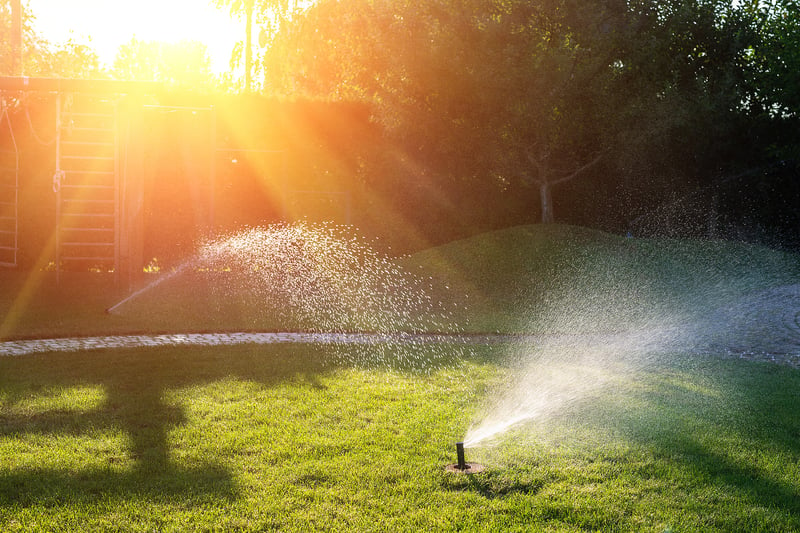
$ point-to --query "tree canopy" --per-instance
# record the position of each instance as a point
(182, 64)
(41, 57)
(594, 102)
(544, 92)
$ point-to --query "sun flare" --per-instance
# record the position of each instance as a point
(105, 26)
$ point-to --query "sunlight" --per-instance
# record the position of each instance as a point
(81, 398)
(104, 26)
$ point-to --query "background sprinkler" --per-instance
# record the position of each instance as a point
(462, 466)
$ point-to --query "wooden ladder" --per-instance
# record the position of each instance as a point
(86, 184)
(9, 193)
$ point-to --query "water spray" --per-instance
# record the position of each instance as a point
(160, 279)
(462, 466)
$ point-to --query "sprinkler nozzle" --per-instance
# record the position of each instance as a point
(462, 463)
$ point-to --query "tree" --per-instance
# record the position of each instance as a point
(776, 65)
(645, 94)
(472, 87)
(184, 64)
(549, 81)
(693, 115)
(40, 57)
(270, 16)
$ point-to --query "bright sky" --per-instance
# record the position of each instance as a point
(106, 24)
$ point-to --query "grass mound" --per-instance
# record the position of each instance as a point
(537, 278)
(552, 278)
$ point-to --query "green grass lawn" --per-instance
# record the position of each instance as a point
(254, 438)
(304, 437)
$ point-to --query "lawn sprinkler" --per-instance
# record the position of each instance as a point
(462, 466)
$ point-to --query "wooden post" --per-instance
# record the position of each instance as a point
(248, 46)
(57, 179)
(212, 169)
(16, 37)
(132, 196)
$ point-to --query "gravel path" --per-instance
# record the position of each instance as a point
(78, 344)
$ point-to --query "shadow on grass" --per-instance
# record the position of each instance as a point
(726, 425)
(701, 428)
(135, 383)
(53, 487)
(131, 390)
(496, 483)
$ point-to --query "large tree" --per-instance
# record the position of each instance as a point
(268, 17)
(653, 91)
(471, 87)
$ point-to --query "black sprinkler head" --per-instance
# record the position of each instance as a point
(462, 466)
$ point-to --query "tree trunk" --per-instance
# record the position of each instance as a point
(546, 198)
(546, 186)
(248, 46)
(16, 38)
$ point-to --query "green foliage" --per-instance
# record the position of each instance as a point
(670, 94)
(777, 66)
(42, 58)
(270, 17)
(468, 88)
(184, 64)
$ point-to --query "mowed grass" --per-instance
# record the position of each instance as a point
(283, 438)
(300, 438)
(553, 278)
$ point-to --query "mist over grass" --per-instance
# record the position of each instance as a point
(527, 279)
(555, 278)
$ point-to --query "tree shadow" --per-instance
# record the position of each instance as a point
(135, 383)
(695, 416)
(691, 419)
(54, 487)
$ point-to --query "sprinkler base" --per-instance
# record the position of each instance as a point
(462, 466)
(469, 468)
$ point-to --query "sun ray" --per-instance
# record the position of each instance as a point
(105, 26)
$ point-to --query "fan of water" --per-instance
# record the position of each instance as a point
(558, 372)
(319, 278)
